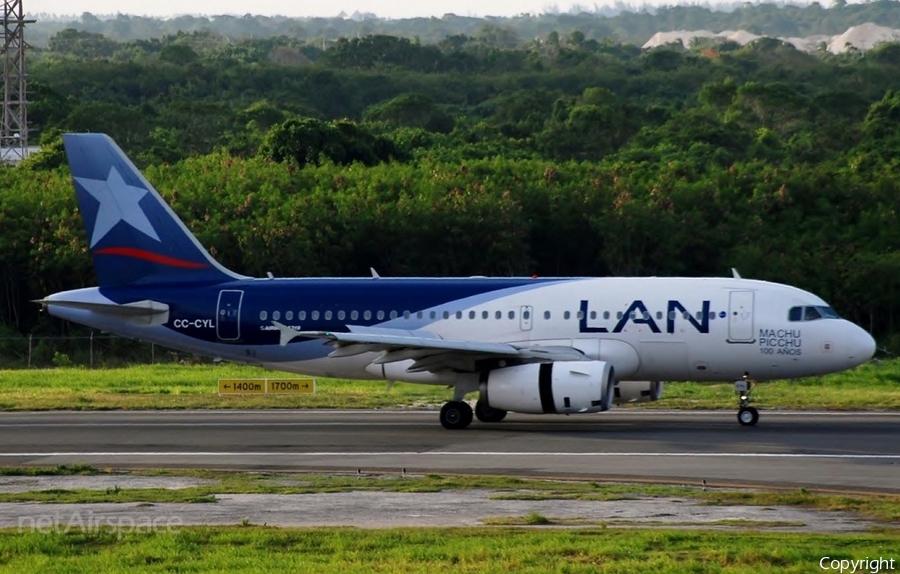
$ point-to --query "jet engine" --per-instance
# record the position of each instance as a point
(638, 391)
(561, 387)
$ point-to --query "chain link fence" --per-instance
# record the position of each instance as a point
(92, 350)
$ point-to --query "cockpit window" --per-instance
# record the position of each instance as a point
(828, 313)
(811, 313)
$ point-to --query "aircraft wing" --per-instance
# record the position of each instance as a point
(428, 351)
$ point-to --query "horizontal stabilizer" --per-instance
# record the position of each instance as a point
(144, 312)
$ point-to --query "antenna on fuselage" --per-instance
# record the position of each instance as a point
(735, 274)
(375, 274)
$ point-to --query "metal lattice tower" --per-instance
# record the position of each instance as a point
(13, 115)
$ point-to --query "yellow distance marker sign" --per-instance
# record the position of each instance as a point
(242, 386)
(266, 386)
(291, 386)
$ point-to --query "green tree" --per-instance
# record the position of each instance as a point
(413, 111)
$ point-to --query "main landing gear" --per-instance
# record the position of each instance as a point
(747, 415)
(488, 414)
(457, 414)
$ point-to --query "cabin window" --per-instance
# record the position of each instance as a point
(341, 315)
(446, 314)
(406, 314)
(606, 314)
(459, 314)
(276, 315)
(263, 315)
(658, 315)
(328, 315)
(433, 315)
(314, 315)
(579, 315)
(380, 315)
(498, 315)
(547, 315)
(712, 315)
(471, 314)
(593, 315)
(526, 315)
(354, 315)
(393, 315)
(367, 315)
(699, 315)
(289, 316)
(672, 315)
(512, 314)
(419, 315)
(619, 315)
(301, 315)
(485, 314)
(686, 315)
(567, 315)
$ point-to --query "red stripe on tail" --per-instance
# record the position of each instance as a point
(152, 257)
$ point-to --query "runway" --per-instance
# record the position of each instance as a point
(858, 451)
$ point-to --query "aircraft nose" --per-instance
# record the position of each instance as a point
(861, 346)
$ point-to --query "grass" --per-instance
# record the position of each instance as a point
(259, 549)
(875, 385)
(173, 386)
(59, 470)
(881, 507)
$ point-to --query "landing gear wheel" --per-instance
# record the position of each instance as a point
(456, 415)
(487, 414)
(748, 416)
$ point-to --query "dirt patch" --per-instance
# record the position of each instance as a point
(444, 509)
(98, 482)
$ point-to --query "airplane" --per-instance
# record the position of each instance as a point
(526, 345)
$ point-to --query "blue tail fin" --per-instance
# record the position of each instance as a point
(134, 237)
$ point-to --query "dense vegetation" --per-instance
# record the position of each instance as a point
(626, 22)
(479, 155)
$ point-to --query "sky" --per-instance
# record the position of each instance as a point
(327, 8)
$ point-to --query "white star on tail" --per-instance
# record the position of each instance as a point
(118, 202)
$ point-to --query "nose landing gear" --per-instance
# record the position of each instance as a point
(747, 415)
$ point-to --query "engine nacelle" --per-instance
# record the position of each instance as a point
(561, 387)
(638, 391)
